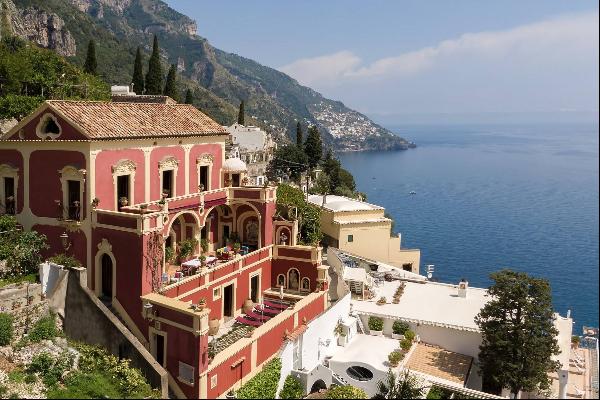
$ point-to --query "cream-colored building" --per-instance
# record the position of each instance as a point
(255, 147)
(361, 228)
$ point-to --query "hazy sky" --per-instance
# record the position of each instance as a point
(395, 57)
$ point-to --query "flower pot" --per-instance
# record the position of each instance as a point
(397, 336)
(248, 306)
(376, 333)
(213, 326)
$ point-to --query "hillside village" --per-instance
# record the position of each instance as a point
(150, 249)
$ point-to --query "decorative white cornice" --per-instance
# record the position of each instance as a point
(205, 158)
(123, 167)
(169, 162)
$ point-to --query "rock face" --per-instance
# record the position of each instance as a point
(46, 29)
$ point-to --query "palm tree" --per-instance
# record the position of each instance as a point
(406, 386)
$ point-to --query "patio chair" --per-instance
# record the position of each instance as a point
(267, 311)
(257, 316)
(277, 306)
(247, 321)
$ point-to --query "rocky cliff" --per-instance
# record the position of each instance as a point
(219, 80)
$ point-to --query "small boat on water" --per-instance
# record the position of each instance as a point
(412, 192)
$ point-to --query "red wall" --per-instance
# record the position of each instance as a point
(306, 269)
(228, 376)
(215, 178)
(78, 241)
(105, 188)
(44, 180)
(157, 156)
(15, 159)
(68, 132)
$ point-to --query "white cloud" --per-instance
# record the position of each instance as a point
(541, 42)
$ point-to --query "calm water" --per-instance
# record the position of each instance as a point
(493, 196)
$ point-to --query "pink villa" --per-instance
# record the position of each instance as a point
(116, 183)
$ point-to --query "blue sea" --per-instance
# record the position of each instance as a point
(523, 196)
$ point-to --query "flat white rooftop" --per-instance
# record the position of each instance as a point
(341, 203)
(371, 350)
(427, 303)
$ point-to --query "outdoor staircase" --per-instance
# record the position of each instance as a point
(356, 287)
(361, 327)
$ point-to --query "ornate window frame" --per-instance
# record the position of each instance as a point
(121, 168)
(70, 173)
(104, 247)
(205, 160)
(42, 123)
(169, 163)
(8, 171)
(302, 288)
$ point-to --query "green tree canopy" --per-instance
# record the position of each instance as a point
(399, 387)
(171, 89)
(345, 392)
(292, 388)
(138, 73)
(241, 112)
(189, 97)
(519, 337)
(290, 198)
(313, 147)
(299, 135)
(91, 65)
(288, 162)
(154, 77)
(20, 249)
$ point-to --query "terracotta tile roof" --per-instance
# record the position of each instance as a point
(112, 120)
(296, 333)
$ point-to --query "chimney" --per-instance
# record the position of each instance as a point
(463, 286)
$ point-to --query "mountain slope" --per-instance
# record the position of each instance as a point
(219, 79)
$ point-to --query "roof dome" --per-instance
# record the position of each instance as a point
(234, 165)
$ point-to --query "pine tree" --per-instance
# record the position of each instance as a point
(189, 97)
(518, 334)
(241, 114)
(154, 77)
(313, 147)
(299, 135)
(171, 85)
(138, 73)
(91, 65)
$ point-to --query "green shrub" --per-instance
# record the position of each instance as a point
(187, 248)
(409, 335)
(375, 324)
(438, 393)
(292, 389)
(65, 261)
(264, 384)
(405, 344)
(400, 327)
(49, 369)
(82, 385)
(6, 329)
(44, 329)
(345, 392)
(41, 363)
(395, 357)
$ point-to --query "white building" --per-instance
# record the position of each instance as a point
(255, 148)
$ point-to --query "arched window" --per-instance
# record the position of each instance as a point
(305, 287)
(280, 280)
(293, 279)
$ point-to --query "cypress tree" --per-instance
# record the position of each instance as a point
(171, 85)
(154, 77)
(5, 22)
(91, 65)
(299, 134)
(138, 73)
(189, 97)
(241, 114)
(313, 147)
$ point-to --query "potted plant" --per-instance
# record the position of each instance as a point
(204, 245)
(395, 357)
(405, 344)
(201, 304)
(143, 208)
(169, 253)
(230, 395)
(165, 193)
(201, 187)
(575, 341)
(247, 306)
(382, 300)
(375, 326)
(95, 202)
(409, 335)
(202, 259)
(398, 329)
(236, 247)
(123, 201)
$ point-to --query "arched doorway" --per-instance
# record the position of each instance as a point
(106, 277)
(318, 385)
